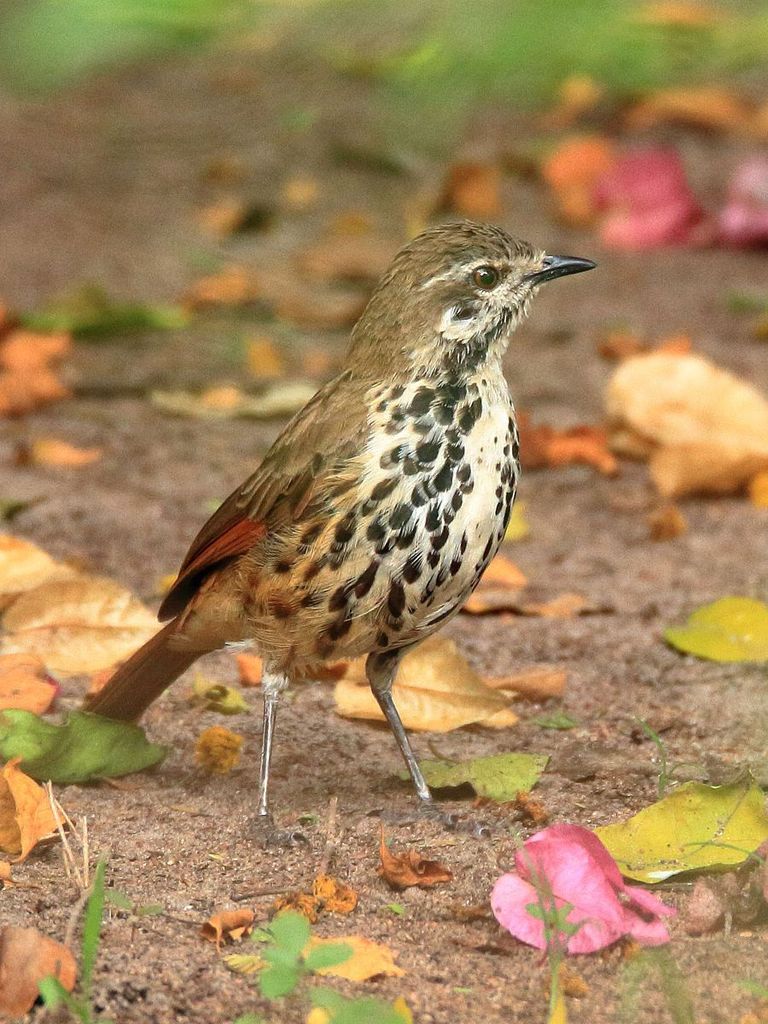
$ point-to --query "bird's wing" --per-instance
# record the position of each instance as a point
(312, 450)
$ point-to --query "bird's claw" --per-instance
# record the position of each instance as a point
(268, 834)
(449, 820)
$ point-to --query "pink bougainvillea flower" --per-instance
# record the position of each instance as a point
(744, 220)
(569, 864)
(647, 202)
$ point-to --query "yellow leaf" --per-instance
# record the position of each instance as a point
(77, 625)
(435, 689)
(51, 451)
(24, 684)
(25, 812)
(732, 629)
(24, 566)
(369, 959)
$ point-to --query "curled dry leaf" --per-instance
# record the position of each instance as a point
(542, 446)
(572, 171)
(24, 566)
(564, 606)
(328, 894)
(28, 379)
(472, 188)
(77, 625)
(498, 589)
(218, 750)
(703, 429)
(228, 926)
(52, 451)
(24, 684)
(369, 959)
(26, 957)
(540, 683)
(250, 668)
(404, 870)
(435, 689)
(26, 816)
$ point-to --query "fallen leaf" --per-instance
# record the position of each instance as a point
(82, 748)
(557, 720)
(226, 169)
(499, 777)
(281, 399)
(573, 170)
(645, 202)
(230, 215)
(26, 957)
(532, 811)
(618, 345)
(316, 362)
(52, 451)
(743, 221)
(228, 926)
(328, 894)
(564, 606)
(567, 869)
(28, 378)
(758, 490)
(300, 193)
(704, 430)
(77, 625)
(435, 689)
(544, 446)
(303, 903)
(732, 629)
(695, 827)
(498, 588)
(369, 959)
(24, 684)
(24, 566)
(709, 107)
(332, 1008)
(218, 750)
(577, 95)
(250, 669)
(234, 285)
(90, 313)
(217, 697)
(264, 360)
(472, 188)
(5, 875)
(541, 683)
(666, 523)
(404, 870)
(26, 816)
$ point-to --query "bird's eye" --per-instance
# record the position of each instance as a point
(486, 277)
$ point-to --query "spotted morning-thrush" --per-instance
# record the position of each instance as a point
(377, 509)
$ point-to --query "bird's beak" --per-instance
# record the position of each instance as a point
(559, 266)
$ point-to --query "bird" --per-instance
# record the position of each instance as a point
(374, 514)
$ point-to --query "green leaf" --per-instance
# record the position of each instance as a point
(280, 957)
(731, 629)
(91, 313)
(82, 748)
(366, 1010)
(396, 908)
(52, 992)
(94, 912)
(276, 982)
(118, 899)
(291, 931)
(695, 827)
(557, 720)
(327, 956)
(249, 1018)
(498, 777)
(150, 910)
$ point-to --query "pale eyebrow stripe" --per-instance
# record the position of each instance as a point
(453, 273)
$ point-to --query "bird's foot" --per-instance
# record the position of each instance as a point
(451, 821)
(268, 834)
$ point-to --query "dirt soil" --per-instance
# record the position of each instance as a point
(105, 184)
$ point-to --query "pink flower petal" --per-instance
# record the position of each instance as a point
(744, 220)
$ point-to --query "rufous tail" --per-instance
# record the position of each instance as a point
(141, 680)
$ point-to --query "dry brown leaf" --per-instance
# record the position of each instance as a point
(498, 589)
(264, 359)
(77, 625)
(504, 573)
(473, 189)
(228, 926)
(369, 959)
(6, 878)
(544, 446)
(25, 812)
(564, 606)
(224, 216)
(52, 451)
(758, 490)
(27, 378)
(250, 668)
(531, 809)
(666, 523)
(349, 257)
(26, 957)
(24, 684)
(24, 566)
(534, 683)
(404, 870)
(618, 345)
(705, 430)
(233, 286)
(708, 107)
(435, 689)
(218, 750)
(328, 894)
(301, 902)
(572, 171)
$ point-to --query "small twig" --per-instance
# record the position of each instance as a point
(331, 837)
(75, 915)
(240, 897)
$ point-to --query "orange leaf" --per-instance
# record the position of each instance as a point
(264, 360)
(667, 523)
(565, 606)
(534, 683)
(228, 926)
(545, 446)
(27, 380)
(232, 286)
(498, 588)
(758, 490)
(218, 749)
(572, 171)
(51, 451)
(250, 668)
(333, 895)
(473, 189)
(25, 812)
(24, 684)
(403, 870)
(26, 957)
(706, 107)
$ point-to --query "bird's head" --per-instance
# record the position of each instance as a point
(452, 297)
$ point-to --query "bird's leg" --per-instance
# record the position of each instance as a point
(272, 684)
(381, 670)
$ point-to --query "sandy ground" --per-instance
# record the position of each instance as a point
(103, 184)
